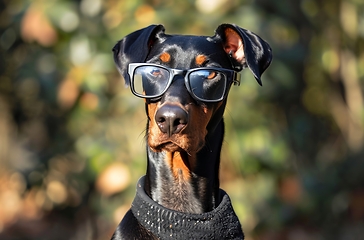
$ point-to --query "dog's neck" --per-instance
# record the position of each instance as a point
(196, 193)
(164, 223)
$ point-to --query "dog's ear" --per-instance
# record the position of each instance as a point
(135, 47)
(245, 49)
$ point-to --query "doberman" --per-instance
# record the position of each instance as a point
(185, 81)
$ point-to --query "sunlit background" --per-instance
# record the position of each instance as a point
(72, 136)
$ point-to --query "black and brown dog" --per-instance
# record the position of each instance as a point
(185, 81)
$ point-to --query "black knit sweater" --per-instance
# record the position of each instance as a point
(220, 223)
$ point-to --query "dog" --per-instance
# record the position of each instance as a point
(185, 81)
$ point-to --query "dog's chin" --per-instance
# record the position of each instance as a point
(174, 147)
(168, 147)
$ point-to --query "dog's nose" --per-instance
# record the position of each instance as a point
(171, 119)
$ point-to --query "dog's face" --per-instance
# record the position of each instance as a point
(181, 52)
(180, 117)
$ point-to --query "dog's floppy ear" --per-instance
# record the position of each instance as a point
(245, 48)
(134, 48)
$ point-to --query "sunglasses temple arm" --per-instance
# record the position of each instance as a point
(237, 77)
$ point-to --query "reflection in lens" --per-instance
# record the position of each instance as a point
(150, 81)
(207, 84)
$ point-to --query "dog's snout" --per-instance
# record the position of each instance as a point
(171, 119)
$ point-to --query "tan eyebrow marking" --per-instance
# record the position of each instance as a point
(200, 59)
(165, 57)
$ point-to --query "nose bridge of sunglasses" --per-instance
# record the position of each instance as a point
(178, 76)
(178, 73)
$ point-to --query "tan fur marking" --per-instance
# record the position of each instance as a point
(200, 59)
(153, 130)
(165, 57)
(178, 166)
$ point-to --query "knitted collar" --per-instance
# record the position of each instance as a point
(220, 223)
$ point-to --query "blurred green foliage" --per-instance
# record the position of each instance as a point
(72, 136)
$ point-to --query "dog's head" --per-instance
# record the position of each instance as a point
(186, 79)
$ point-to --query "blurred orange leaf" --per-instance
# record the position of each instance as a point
(115, 178)
(36, 27)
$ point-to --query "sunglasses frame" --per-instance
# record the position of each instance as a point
(232, 77)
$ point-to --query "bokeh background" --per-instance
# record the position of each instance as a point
(72, 135)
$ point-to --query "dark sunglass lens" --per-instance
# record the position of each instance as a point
(150, 81)
(207, 84)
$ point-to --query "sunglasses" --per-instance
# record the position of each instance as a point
(206, 84)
